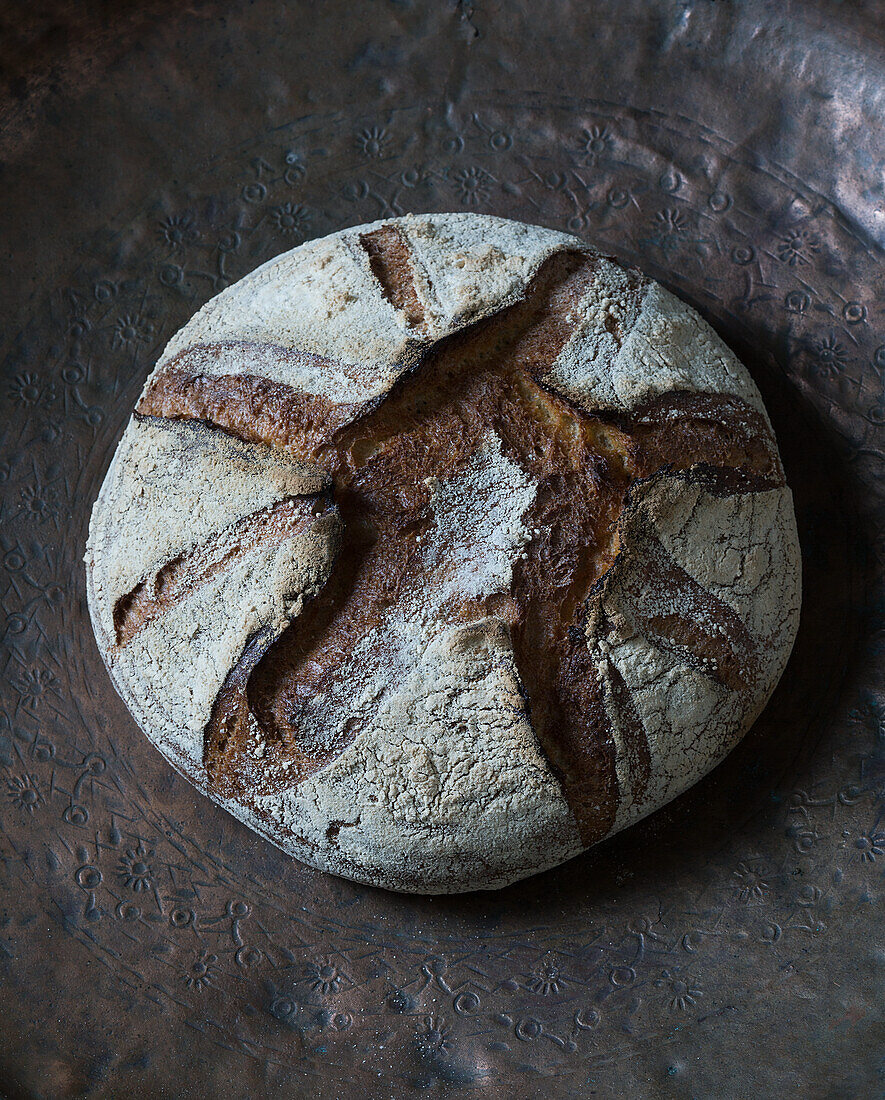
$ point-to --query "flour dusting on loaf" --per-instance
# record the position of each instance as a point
(443, 547)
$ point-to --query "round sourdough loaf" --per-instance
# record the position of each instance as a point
(441, 548)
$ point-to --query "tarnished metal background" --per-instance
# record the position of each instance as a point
(730, 946)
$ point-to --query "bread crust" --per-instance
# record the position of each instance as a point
(432, 760)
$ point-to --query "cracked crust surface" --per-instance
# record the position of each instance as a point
(443, 547)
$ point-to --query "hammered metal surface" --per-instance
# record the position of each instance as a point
(731, 945)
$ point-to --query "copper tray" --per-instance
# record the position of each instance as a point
(149, 944)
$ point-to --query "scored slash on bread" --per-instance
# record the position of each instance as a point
(441, 548)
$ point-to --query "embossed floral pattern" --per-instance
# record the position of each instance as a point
(31, 389)
(130, 330)
(40, 502)
(830, 356)
(546, 979)
(291, 219)
(24, 792)
(200, 974)
(670, 231)
(752, 885)
(178, 230)
(681, 992)
(473, 185)
(32, 685)
(371, 141)
(323, 977)
(594, 143)
(799, 246)
(435, 1035)
(134, 868)
(868, 847)
(671, 221)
